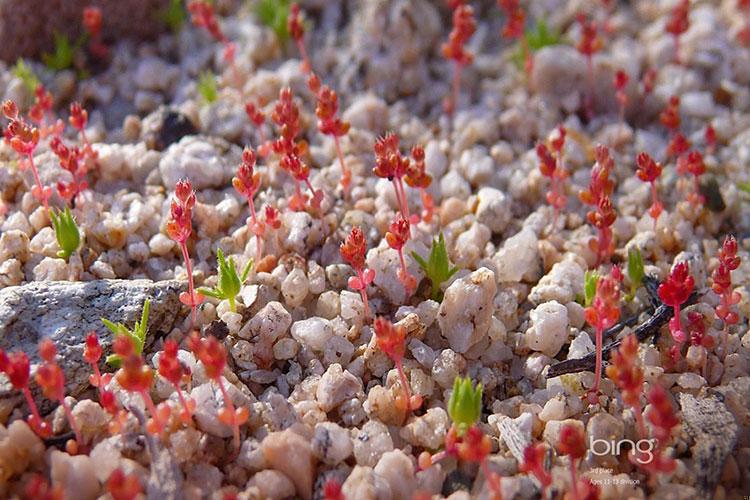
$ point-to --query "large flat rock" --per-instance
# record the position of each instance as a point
(67, 311)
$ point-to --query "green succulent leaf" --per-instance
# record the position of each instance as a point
(66, 231)
(137, 334)
(437, 266)
(535, 38)
(24, 72)
(229, 282)
(274, 14)
(635, 270)
(207, 87)
(64, 54)
(174, 15)
(589, 287)
(465, 403)
(744, 186)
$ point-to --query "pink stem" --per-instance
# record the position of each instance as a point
(152, 409)
(345, 173)
(363, 292)
(182, 400)
(71, 420)
(228, 403)
(189, 269)
(306, 66)
(404, 383)
(32, 404)
(488, 476)
(38, 181)
(598, 372)
(456, 87)
(258, 240)
(677, 49)
(573, 477)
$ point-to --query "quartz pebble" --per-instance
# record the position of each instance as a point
(371, 442)
(466, 311)
(493, 209)
(518, 258)
(313, 332)
(291, 454)
(335, 387)
(427, 431)
(331, 443)
(271, 323)
(549, 329)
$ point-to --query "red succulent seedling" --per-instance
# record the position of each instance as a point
(678, 23)
(417, 177)
(533, 463)
(353, 252)
(603, 312)
(697, 330)
(73, 160)
(675, 291)
(661, 416)
(92, 23)
(123, 486)
(589, 44)
(286, 116)
(391, 165)
(670, 116)
(78, 119)
(247, 183)
(396, 237)
(391, 340)
(257, 117)
(135, 376)
(692, 163)
(516, 18)
(16, 367)
(92, 353)
(464, 27)
(551, 166)
(213, 355)
(598, 194)
(648, 81)
(43, 103)
(203, 16)
(627, 374)
(51, 379)
(649, 170)
(172, 369)
(722, 285)
(743, 35)
(621, 82)
(329, 122)
(573, 444)
(295, 26)
(23, 138)
(179, 228)
(710, 137)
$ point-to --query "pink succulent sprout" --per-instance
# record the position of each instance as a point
(42, 108)
(172, 369)
(396, 237)
(722, 285)
(16, 367)
(92, 352)
(329, 123)
(247, 183)
(213, 355)
(674, 292)
(51, 379)
(286, 116)
(296, 28)
(603, 312)
(24, 138)
(391, 339)
(551, 166)
(353, 252)
(678, 23)
(649, 170)
(73, 160)
(464, 27)
(179, 228)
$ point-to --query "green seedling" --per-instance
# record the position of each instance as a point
(465, 403)
(589, 287)
(744, 186)
(437, 267)
(635, 271)
(207, 87)
(229, 282)
(66, 231)
(174, 15)
(24, 72)
(138, 333)
(64, 53)
(274, 14)
(535, 38)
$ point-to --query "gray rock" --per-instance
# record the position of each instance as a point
(67, 311)
(199, 159)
